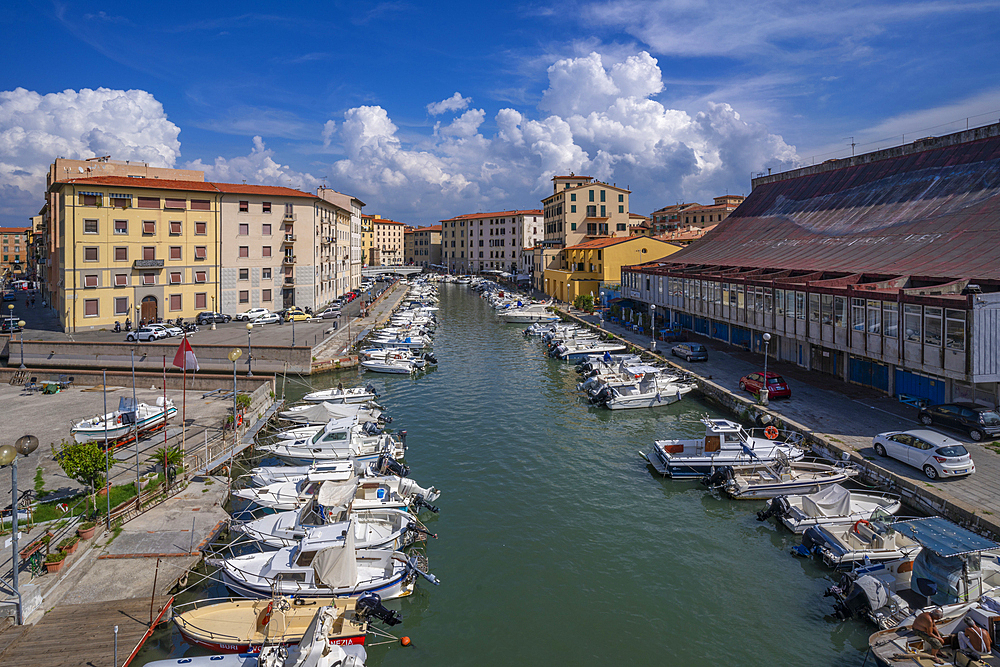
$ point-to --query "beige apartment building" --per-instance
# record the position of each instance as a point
(388, 239)
(423, 246)
(493, 241)
(348, 238)
(581, 208)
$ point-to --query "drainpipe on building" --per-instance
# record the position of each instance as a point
(73, 246)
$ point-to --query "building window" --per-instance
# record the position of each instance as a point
(858, 314)
(244, 251)
(244, 296)
(175, 227)
(814, 307)
(621, 197)
(954, 330)
(200, 276)
(266, 273)
(90, 254)
(201, 205)
(90, 226)
(175, 277)
(572, 208)
(592, 211)
(149, 252)
(874, 316)
(621, 226)
(175, 203)
(200, 252)
(265, 295)
(121, 280)
(121, 305)
(175, 252)
(839, 311)
(201, 228)
(265, 251)
(800, 305)
(591, 194)
(121, 254)
(148, 226)
(149, 202)
(932, 326)
(768, 300)
(603, 211)
(266, 208)
(890, 319)
(90, 308)
(266, 227)
(244, 207)
(826, 306)
(89, 200)
(244, 229)
(911, 323)
(175, 302)
(121, 226)
(244, 274)
(621, 209)
(90, 281)
(149, 279)
(200, 300)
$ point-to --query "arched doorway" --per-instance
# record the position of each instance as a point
(148, 309)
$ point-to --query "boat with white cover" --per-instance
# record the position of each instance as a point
(778, 477)
(322, 413)
(322, 567)
(834, 504)
(725, 443)
(524, 314)
(370, 492)
(574, 350)
(264, 475)
(121, 423)
(313, 650)
(373, 529)
(342, 395)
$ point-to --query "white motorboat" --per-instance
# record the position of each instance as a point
(572, 351)
(394, 365)
(778, 477)
(121, 423)
(322, 413)
(370, 492)
(410, 342)
(342, 395)
(340, 440)
(264, 475)
(845, 545)
(524, 314)
(649, 391)
(321, 567)
(726, 443)
(299, 432)
(834, 504)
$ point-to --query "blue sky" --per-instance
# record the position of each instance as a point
(429, 110)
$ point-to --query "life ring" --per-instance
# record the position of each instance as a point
(119, 419)
(771, 432)
(239, 420)
(854, 528)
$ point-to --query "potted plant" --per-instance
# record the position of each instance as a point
(69, 544)
(86, 530)
(54, 562)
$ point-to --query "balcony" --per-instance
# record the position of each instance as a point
(289, 280)
(288, 259)
(147, 264)
(288, 238)
(289, 216)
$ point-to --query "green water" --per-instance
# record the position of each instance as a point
(558, 545)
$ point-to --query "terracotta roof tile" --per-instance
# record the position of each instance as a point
(608, 241)
(150, 183)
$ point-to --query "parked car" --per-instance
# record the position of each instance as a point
(9, 295)
(8, 325)
(776, 385)
(937, 455)
(690, 351)
(266, 318)
(978, 421)
(145, 334)
(296, 316)
(208, 316)
(168, 329)
(329, 312)
(252, 314)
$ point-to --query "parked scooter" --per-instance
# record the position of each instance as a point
(118, 327)
(128, 324)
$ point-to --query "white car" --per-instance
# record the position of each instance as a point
(168, 329)
(937, 455)
(266, 318)
(145, 334)
(252, 314)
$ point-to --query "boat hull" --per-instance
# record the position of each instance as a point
(84, 434)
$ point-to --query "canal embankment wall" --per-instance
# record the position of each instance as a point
(925, 497)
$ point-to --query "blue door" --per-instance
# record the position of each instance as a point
(720, 330)
(921, 386)
(741, 337)
(701, 325)
(869, 373)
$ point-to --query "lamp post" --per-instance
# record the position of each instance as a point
(763, 391)
(213, 312)
(249, 353)
(234, 354)
(10, 311)
(8, 457)
(652, 325)
(293, 330)
(20, 325)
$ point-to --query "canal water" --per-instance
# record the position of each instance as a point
(558, 545)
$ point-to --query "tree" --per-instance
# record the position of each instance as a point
(584, 302)
(85, 462)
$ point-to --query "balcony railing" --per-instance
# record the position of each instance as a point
(289, 216)
(289, 280)
(288, 238)
(288, 259)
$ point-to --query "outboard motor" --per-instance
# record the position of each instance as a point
(430, 358)
(371, 428)
(386, 465)
(369, 606)
(371, 389)
(384, 419)
(777, 506)
(601, 395)
(719, 478)
(858, 598)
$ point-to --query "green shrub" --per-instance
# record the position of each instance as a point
(56, 557)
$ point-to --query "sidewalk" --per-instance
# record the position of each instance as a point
(338, 345)
(839, 411)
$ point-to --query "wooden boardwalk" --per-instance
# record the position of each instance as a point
(81, 635)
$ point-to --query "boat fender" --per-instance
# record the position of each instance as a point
(265, 617)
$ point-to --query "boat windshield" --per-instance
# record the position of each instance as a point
(880, 515)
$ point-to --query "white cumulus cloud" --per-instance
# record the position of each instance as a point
(258, 168)
(454, 103)
(35, 129)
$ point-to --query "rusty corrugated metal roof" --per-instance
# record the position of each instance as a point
(933, 213)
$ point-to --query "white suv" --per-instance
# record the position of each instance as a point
(252, 314)
(146, 334)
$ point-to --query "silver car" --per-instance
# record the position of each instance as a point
(937, 455)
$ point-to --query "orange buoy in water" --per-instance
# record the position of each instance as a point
(405, 641)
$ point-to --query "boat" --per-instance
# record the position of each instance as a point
(322, 567)
(264, 475)
(373, 529)
(570, 351)
(833, 504)
(778, 477)
(530, 313)
(128, 418)
(234, 624)
(337, 442)
(370, 492)
(955, 565)
(650, 391)
(725, 443)
(342, 395)
(394, 365)
(312, 649)
(845, 545)
(322, 413)
(299, 432)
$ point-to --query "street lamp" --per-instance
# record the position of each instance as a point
(763, 391)
(10, 311)
(249, 353)
(235, 354)
(20, 324)
(652, 325)
(8, 457)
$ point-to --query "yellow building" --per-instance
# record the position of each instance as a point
(597, 261)
(369, 253)
(134, 247)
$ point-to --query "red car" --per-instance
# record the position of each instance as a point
(776, 385)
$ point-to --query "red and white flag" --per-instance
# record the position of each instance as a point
(185, 357)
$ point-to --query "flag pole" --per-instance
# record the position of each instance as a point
(135, 423)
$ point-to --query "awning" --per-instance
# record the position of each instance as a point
(94, 194)
(119, 196)
(944, 537)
